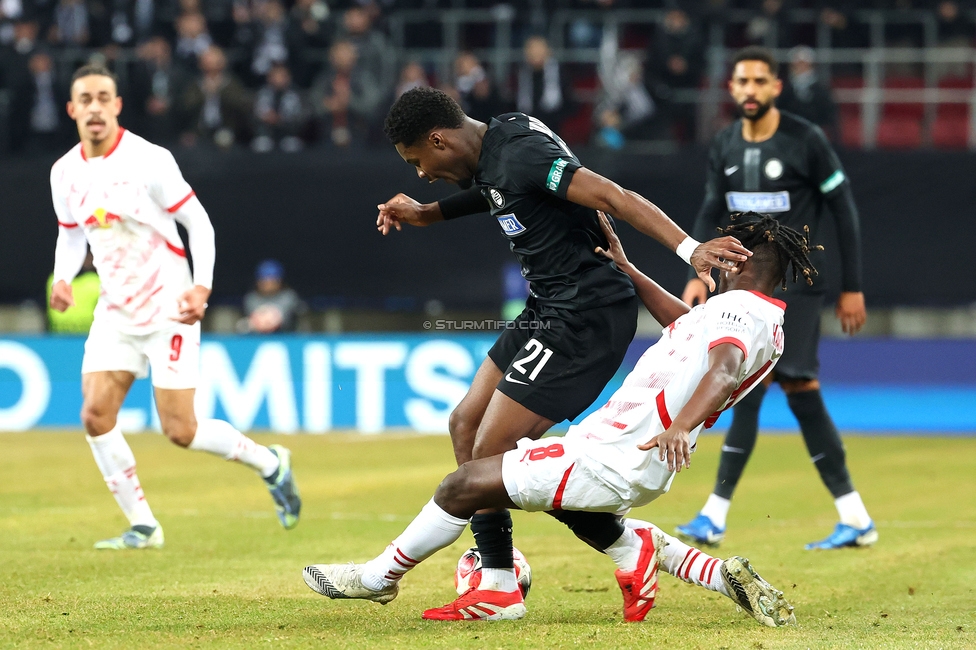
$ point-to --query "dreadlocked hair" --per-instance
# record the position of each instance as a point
(792, 247)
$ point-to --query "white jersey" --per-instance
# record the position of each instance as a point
(665, 378)
(125, 202)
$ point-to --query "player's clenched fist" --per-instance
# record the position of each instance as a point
(403, 209)
(61, 296)
(193, 305)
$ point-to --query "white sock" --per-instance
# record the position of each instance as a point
(498, 580)
(118, 466)
(691, 565)
(221, 438)
(852, 511)
(626, 550)
(429, 532)
(683, 561)
(717, 509)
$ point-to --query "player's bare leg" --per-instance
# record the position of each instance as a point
(504, 423)
(467, 416)
(180, 425)
(474, 485)
(103, 393)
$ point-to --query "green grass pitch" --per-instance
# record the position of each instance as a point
(231, 577)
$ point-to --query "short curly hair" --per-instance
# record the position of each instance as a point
(419, 110)
(757, 53)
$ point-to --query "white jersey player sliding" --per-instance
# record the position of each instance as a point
(708, 358)
(123, 196)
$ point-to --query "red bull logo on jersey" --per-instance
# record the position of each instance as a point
(101, 218)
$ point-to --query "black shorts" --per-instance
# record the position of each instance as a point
(557, 361)
(801, 328)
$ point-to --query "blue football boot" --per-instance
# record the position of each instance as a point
(701, 530)
(844, 536)
(283, 489)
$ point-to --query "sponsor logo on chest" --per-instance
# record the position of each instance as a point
(758, 201)
(510, 225)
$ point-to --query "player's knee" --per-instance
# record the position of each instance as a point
(96, 418)
(793, 386)
(463, 423)
(454, 490)
(179, 429)
(463, 426)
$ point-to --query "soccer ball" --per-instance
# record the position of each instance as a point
(468, 574)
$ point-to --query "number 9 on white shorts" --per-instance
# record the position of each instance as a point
(172, 353)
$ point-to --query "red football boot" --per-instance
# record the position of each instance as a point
(639, 586)
(478, 605)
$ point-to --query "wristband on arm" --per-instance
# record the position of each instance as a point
(686, 248)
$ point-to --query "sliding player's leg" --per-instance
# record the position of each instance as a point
(733, 577)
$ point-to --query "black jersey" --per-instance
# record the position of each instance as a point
(790, 176)
(523, 172)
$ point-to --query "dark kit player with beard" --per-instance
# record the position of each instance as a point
(774, 162)
(583, 308)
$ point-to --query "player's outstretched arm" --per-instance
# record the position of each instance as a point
(664, 307)
(707, 220)
(712, 393)
(594, 191)
(403, 209)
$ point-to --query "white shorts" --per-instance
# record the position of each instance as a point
(172, 353)
(573, 473)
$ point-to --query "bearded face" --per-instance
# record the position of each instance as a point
(754, 88)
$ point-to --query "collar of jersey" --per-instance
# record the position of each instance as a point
(108, 153)
(769, 299)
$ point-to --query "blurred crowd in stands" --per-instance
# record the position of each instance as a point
(289, 74)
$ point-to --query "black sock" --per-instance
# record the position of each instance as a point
(739, 442)
(823, 441)
(493, 536)
(598, 529)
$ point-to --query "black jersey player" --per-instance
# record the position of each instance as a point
(583, 307)
(773, 162)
